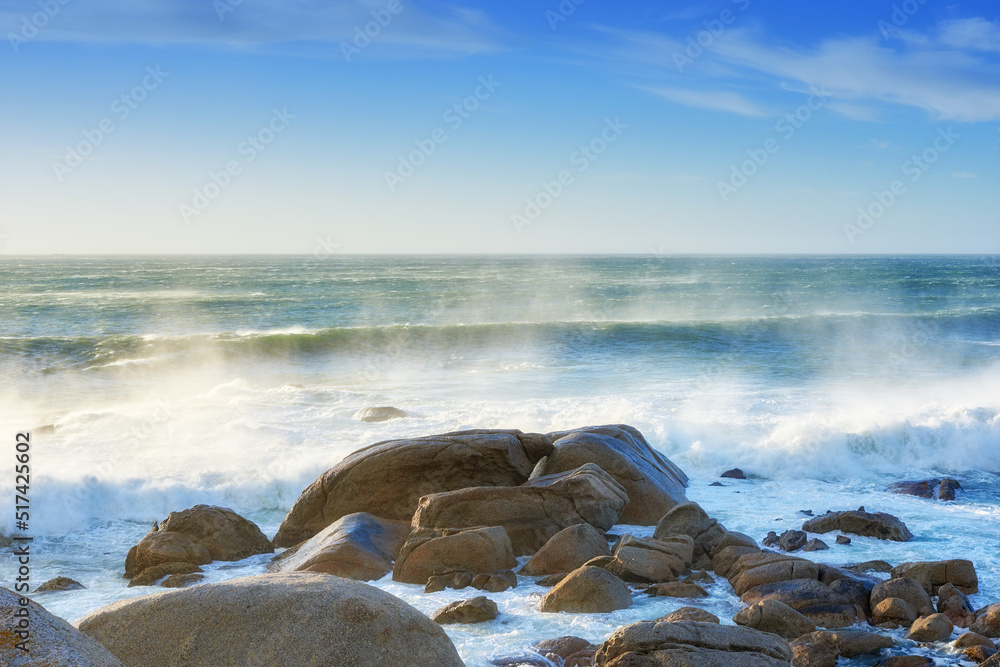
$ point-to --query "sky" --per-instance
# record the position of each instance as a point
(523, 126)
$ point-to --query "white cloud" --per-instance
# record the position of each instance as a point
(717, 100)
(971, 33)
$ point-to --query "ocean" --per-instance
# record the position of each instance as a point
(151, 384)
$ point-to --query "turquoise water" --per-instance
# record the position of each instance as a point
(152, 384)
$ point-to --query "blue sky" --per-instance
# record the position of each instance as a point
(219, 126)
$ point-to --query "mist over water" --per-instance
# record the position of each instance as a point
(152, 384)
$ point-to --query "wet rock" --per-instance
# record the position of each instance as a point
(869, 566)
(797, 593)
(677, 589)
(952, 599)
(731, 538)
(816, 649)
(473, 610)
(934, 574)
(858, 522)
(357, 546)
(775, 617)
(587, 590)
(151, 575)
(815, 544)
(806, 512)
(551, 580)
(735, 473)
(454, 579)
(792, 540)
(651, 560)
(843, 539)
(379, 414)
(689, 614)
(857, 592)
(906, 661)
(979, 654)
(428, 552)
(495, 582)
(716, 484)
(533, 512)
(973, 639)
(770, 572)
(939, 489)
(561, 647)
(988, 621)
(933, 628)
(567, 550)
(691, 520)
(771, 539)
(893, 613)
(388, 479)
(904, 588)
(652, 483)
(854, 643)
(182, 580)
(651, 643)
(831, 615)
(725, 559)
(60, 584)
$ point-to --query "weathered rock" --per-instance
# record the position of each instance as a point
(992, 661)
(934, 574)
(151, 575)
(869, 566)
(281, 620)
(771, 539)
(159, 548)
(60, 584)
(773, 572)
(854, 643)
(734, 539)
(906, 661)
(52, 641)
(725, 559)
(973, 639)
(792, 540)
(952, 599)
(582, 658)
(357, 546)
(182, 580)
(587, 590)
(552, 579)
(379, 414)
(561, 647)
(567, 550)
(648, 559)
(428, 552)
(455, 579)
(816, 649)
(893, 613)
(843, 539)
(388, 479)
(652, 482)
(677, 589)
(691, 644)
(940, 489)
(988, 621)
(524, 660)
(775, 617)
(796, 593)
(690, 519)
(904, 588)
(815, 544)
(857, 522)
(735, 473)
(225, 534)
(495, 582)
(979, 654)
(857, 592)
(533, 512)
(689, 614)
(473, 610)
(933, 628)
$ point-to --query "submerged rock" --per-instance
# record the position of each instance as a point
(939, 489)
(858, 522)
(735, 473)
(60, 584)
(379, 414)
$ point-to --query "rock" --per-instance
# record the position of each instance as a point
(941, 489)
(652, 482)
(992, 661)
(988, 621)
(735, 473)
(379, 414)
(388, 479)
(690, 519)
(561, 647)
(527, 660)
(181, 580)
(647, 559)
(816, 649)
(725, 559)
(831, 615)
(552, 579)
(677, 589)
(806, 512)
(906, 661)
(473, 610)
(934, 574)
(60, 584)
(52, 641)
(582, 658)
(716, 484)
(857, 592)
(567, 550)
(281, 620)
(775, 617)
(587, 590)
(357, 546)
(495, 582)
(904, 588)
(952, 599)
(797, 593)
(843, 539)
(151, 575)
(792, 540)
(854, 643)
(869, 566)
(893, 613)
(773, 572)
(933, 628)
(533, 512)
(691, 644)
(880, 525)
(973, 639)
(428, 552)
(701, 576)
(733, 539)
(979, 654)
(771, 539)
(689, 614)
(455, 579)
(815, 544)
(158, 548)
(225, 534)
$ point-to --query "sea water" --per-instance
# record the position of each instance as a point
(154, 384)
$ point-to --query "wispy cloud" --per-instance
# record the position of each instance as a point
(971, 33)
(716, 100)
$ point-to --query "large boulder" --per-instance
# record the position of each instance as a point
(796, 593)
(988, 621)
(357, 546)
(157, 549)
(858, 522)
(933, 628)
(649, 560)
(816, 649)
(653, 483)
(587, 590)
(690, 519)
(47, 639)
(893, 613)
(280, 620)
(773, 572)
(567, 550)
(473, 610)
(428, 552)
(388, 479)
(775, 617)
(533, 512)
(903, 588)
(691, 644)
(939, 489)
(934, 574)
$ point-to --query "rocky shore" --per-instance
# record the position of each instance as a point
(457, 511)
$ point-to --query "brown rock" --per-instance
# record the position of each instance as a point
(792, 540)
(677, 589)
(495, 582)
(932, 575)
(473, 610)
(769, 573)
(774, 617)
(551, 580)
(455, 579)
(533, 512)
(988, 621)
(979, 654)
(726, 558)
(857, 592)
(854, 643)
(857, 522)
(903, 588)
(816, 649)
(940, 489)
(735, 473)
(158, 548)
(869, 566)
(388, 479)
(151, 575)
(379, 414)
(952, 599)
(357, 546)
(690, 519)
(561, 647)
(60, 584)
(893, 613)
(181, 580)
(797, 593)
(843, 539)
(587, 590)
(815, 544)
(582, 658)
(652, 482)
(831, 615)
(567, 550)
(689, 614)
(428, 552)
(973, 639)
(906, 661)
(647, 559)
(691, 644)
(225, 534)
(933, 628)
